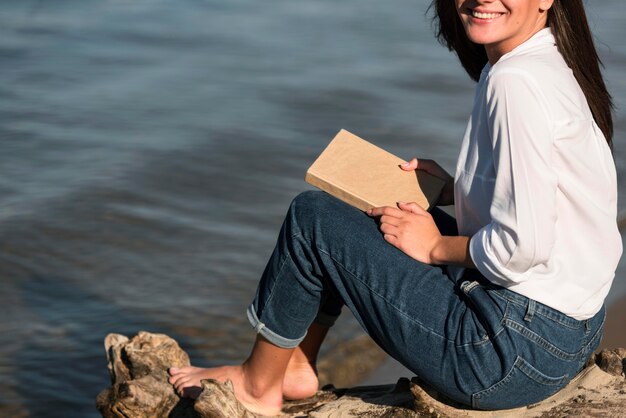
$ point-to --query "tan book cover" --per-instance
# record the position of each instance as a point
(366, 176)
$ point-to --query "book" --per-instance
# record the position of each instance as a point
(366, 176)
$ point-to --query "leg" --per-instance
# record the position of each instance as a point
(328, 248)
(412, 310)
(301, 377)
(455, 338)
(257, 382)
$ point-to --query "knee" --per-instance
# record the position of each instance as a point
(309, 198)
(307, 203)
(314, 201)
(311, 206)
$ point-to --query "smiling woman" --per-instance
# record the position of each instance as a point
(502, 25)
(568, 23)
(519, 301)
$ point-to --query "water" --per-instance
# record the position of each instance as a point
(149, 150)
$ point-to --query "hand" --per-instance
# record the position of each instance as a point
(431, 167)
(409, 228)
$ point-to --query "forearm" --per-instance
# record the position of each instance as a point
(452, 250)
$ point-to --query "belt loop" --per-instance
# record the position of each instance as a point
(587, 326)
(467, 286)
(530, 311)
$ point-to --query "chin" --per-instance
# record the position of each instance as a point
(479, 37)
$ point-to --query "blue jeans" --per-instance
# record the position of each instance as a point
(479, 344)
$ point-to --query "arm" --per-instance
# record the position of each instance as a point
(453, 250)
(521, 233)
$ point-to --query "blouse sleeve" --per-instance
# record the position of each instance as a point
(521, 233)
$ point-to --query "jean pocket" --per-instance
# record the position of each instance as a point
(545, 331)
(522, 385)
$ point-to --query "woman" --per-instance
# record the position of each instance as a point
(500, 307)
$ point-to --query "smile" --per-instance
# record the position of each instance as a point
(480, 15)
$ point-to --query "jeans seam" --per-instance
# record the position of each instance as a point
(539, 310)
(596, 336)
(383, 298)
(467, 289)
(270, 335)
(280, 269)
(476, 397)
(540, 341)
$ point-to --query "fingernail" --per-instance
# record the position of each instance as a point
(405, 164)
(401, 203)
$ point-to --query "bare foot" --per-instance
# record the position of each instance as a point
(186, 381)
(300, 380)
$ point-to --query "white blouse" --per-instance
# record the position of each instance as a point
(535, 185)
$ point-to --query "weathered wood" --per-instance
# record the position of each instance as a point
(138, 370)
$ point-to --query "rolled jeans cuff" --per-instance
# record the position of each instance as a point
(326, 320)
(270, 335)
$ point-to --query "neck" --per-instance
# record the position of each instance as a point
(496, 51)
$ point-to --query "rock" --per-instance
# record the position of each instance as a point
(612, 361)
(138, 369)
(593, 393)
(218, 400)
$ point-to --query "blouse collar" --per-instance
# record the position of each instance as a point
(542, 37)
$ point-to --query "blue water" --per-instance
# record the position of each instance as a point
(149, 150)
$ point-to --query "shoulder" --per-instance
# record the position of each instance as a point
(539, 76)
(518, 83)
(541, 68)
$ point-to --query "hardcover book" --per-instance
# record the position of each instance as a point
(366, 176)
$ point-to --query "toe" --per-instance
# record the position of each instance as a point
(181, 384)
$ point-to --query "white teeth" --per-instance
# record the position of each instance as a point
(485, 15)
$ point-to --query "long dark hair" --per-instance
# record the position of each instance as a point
(568, 21)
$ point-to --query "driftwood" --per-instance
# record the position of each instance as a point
(138, 369)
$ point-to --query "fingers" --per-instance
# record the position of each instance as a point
(388, 212)
(385, 210)
(390, 220)
(432, 167)
(412, 207)
(421, 164)
(391, 239)
(427, 165)
(388, 229)
(409, 165)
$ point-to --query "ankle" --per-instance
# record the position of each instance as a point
(258, 387)
(299, 356)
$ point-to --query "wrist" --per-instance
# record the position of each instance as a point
(437, 253)
(452, 250)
